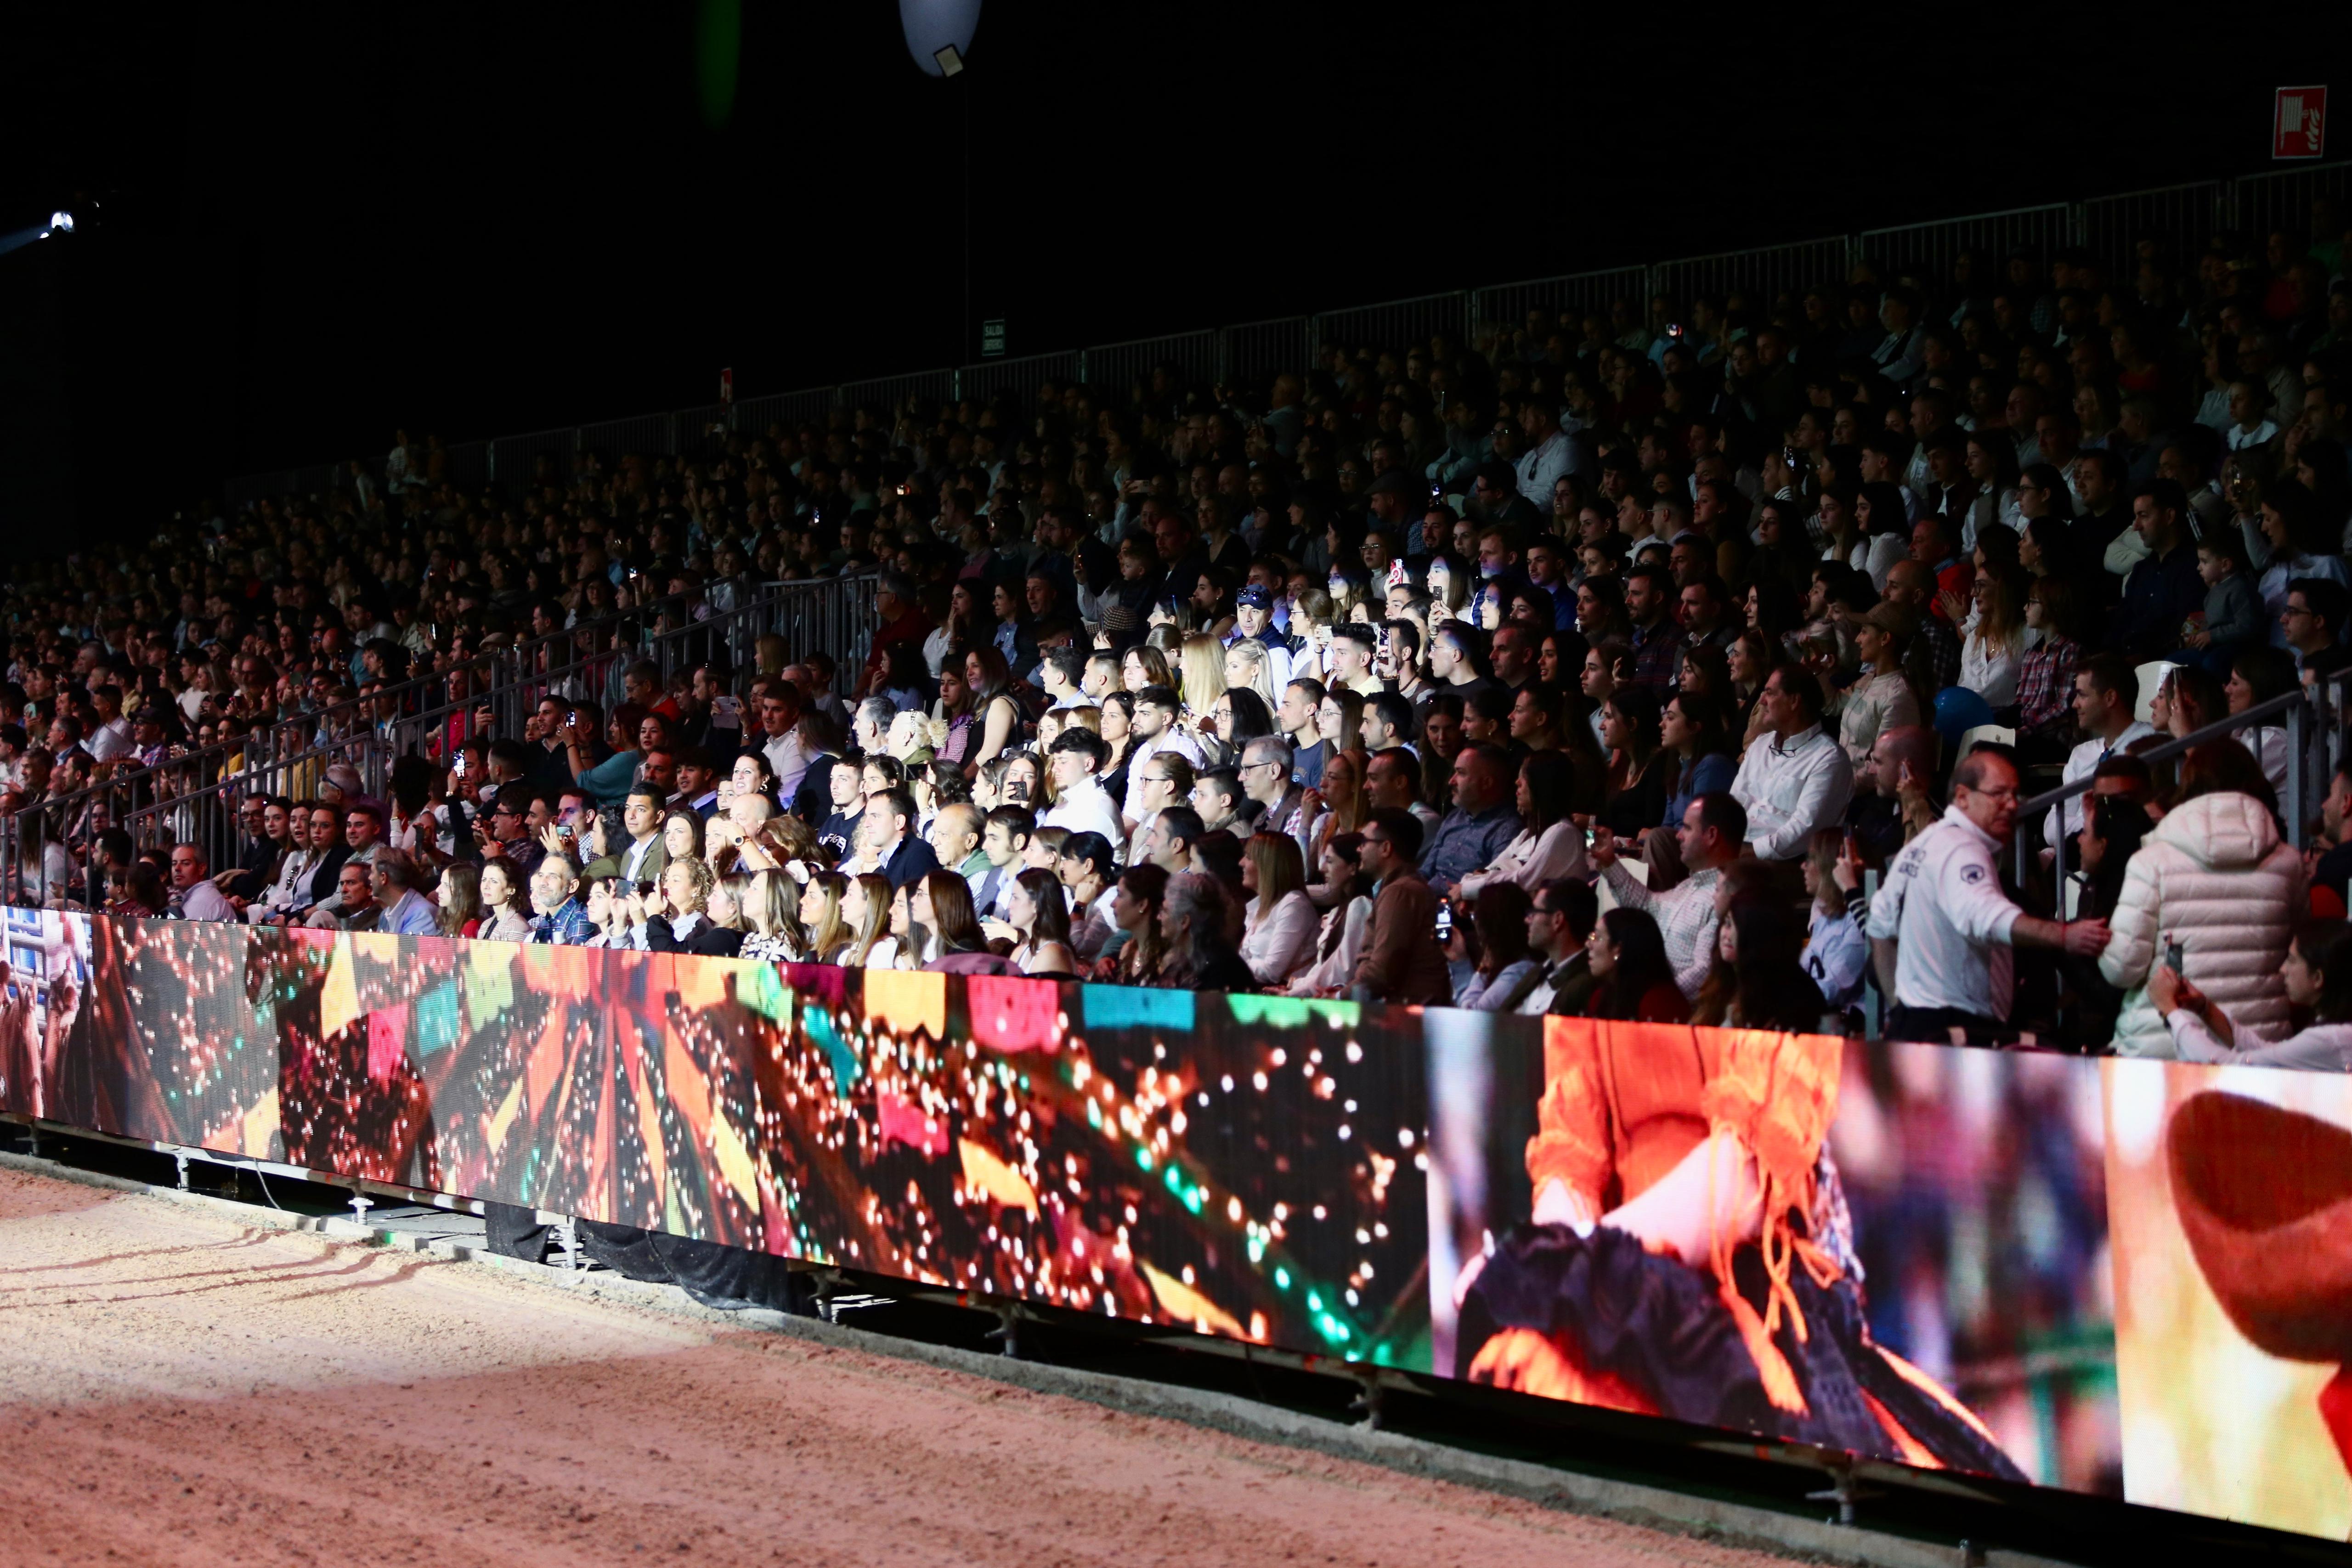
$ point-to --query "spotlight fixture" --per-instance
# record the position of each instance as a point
(60, 223)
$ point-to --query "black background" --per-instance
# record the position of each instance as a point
(318, 224)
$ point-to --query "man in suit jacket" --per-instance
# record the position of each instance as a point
(905, 858)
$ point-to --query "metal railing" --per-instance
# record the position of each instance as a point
(192, 797)
(2180, 218)
(2312, 718)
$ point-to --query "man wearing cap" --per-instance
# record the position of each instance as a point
(1254, 622)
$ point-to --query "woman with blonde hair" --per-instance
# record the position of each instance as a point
(774, 927)
(820, 915)
(725, 907)
(1202, 670)
(1995, 649)
(1248, 668)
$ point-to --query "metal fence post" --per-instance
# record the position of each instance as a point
(2298, 775)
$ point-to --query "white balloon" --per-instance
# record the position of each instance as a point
(932, 26)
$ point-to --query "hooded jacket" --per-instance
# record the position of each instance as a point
(2215, 877)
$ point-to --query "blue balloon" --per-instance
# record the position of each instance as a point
(1959, 710)
(932, 26)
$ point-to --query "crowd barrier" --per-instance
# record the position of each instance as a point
(2122, 1278)
(2182, 219)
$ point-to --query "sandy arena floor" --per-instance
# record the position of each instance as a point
(177, 1388)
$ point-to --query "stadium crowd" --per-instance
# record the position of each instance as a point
(1593, 667)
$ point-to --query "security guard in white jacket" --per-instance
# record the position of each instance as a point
(1941, 929)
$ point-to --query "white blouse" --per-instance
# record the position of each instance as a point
(1989, 669)
(1531, 861)
(1274, 946)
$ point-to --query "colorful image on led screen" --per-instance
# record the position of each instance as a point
(1896, 1250)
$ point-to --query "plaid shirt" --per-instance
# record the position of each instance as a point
(1935, 655)
(1657, 652)
(565, 927)
(2045, 685)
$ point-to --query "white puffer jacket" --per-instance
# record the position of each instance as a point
(2215, 877)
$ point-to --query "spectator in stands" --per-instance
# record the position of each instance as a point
(2312, 621)
(2316, 976)
(557, 917)
(1280, 923)
(1192, 923)
(1713, 829)
(1757, 980)
(2217, 881)
(1402, 961)
(193, 896)
(353, 906)
(397, 886)
(2107, 695)
(1630, 977)
(2164, 589)
(1941, 929)
(1560, 918)
(1482, 824)
(1794, 780)
(1884, 697)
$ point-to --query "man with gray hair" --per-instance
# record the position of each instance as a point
(1264, 771)
(872, 726)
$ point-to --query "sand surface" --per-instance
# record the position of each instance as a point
(177, 1388)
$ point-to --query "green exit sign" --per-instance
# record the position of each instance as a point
(991, 339)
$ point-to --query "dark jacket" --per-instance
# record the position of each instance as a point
(2160, 593)
(708, 940)
(1402, 960)
(910, 861)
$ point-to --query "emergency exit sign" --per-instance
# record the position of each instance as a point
(991, 339)
(2299, 122)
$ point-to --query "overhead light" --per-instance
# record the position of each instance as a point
(62, 223)
(950, 62)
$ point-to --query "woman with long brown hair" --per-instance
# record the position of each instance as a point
(820, 913)
(996, 716)
(865, 906)
(1135, 909)
(942, 904)
(1279, 923)
(1037, 911)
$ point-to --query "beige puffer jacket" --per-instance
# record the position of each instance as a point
(2215, 877)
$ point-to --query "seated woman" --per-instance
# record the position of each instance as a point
(865, 906)
(1192, 920)
(1278, 926)
(1345, 924)
(683, 926)
(1550, 844)
(1631, 979)
(2318, 976)
(1041, 919)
